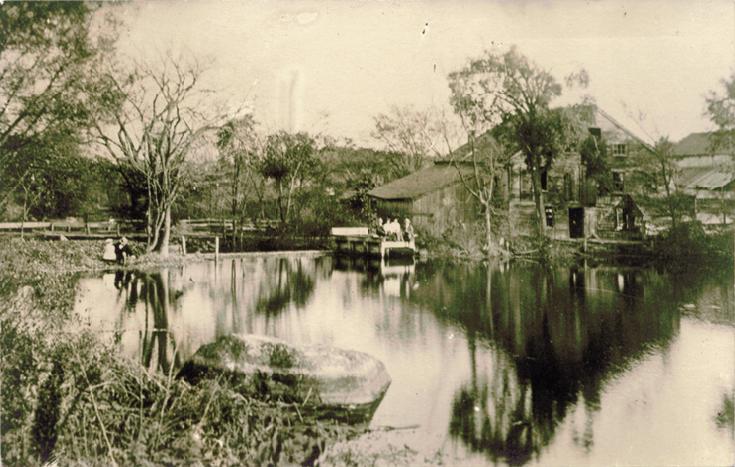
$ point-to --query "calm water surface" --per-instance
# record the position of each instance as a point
(519, 364)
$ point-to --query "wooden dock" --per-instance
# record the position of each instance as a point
(357, 241)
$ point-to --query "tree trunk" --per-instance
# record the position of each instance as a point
(165, 237)
(281, 212)
(489, 232)
(538, 197)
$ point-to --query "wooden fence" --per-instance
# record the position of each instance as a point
(75, 226)
(116, 227)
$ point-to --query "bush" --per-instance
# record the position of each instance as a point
(687, 244)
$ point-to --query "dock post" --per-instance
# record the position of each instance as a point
(216, 248)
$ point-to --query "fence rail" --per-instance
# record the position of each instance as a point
(184, 226)
(66, 225)
(224, 225)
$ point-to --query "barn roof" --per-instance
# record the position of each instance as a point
(707, 178)
(421, 182)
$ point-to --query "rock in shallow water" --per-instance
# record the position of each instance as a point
(344, 384)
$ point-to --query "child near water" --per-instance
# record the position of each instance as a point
(108, 253)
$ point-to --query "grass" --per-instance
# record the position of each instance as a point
(70, 398)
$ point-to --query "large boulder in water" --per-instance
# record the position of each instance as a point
(339, 383)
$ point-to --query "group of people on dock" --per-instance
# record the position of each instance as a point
(391, 230)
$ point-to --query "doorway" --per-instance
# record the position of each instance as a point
(576, 222)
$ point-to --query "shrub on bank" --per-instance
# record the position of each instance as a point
(687, 245)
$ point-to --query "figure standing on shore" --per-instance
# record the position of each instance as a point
(123, 251)
(109, 253)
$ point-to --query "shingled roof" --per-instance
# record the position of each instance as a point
(437, 176)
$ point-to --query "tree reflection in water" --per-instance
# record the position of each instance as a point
(553, 345)
(289, 283)
(156, 338)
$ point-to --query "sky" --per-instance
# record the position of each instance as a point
(331, 66)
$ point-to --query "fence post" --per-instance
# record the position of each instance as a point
(216, 248)
(183, 245)
(52, 226)
(86, 226)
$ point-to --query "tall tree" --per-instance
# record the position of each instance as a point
(661, 169)
(160, 113)
(48, 51)
(241, 148)
(510, 88)
(721, 111)
(480, 161)
(289, 159)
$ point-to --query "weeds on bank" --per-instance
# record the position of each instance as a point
(68, 397)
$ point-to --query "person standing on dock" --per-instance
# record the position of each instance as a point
(408, 233)
(379, 229)
(395, 230)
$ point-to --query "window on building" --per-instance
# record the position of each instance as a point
(619, 149)
(618, 182)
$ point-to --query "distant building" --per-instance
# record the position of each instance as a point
(434, 198)
(437, 201)
(575, 206)
(708, 174)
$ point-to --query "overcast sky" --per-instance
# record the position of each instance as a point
(331, 66)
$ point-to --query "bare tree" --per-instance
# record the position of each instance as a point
(411, 135)
(162, 112)
(481, 159)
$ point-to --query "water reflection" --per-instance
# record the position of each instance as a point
(288, 283)
(150, 291)
(506, 363)
(560, 340)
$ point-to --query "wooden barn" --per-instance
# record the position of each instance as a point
(433, 198)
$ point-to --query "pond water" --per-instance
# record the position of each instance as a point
(507, 364)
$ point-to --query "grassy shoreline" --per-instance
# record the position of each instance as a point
(69, 397)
